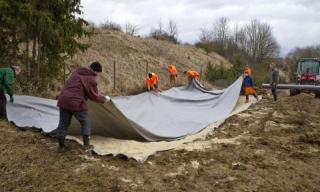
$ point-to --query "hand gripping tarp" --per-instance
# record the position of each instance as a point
(150, 116)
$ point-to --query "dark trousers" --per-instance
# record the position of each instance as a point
(274, 91)
(65, 120)
(3, 105)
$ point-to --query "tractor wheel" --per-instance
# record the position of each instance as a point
(294, 92)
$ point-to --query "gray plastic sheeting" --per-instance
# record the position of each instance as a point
(150, 116)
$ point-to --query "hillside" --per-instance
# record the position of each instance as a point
(132, 54)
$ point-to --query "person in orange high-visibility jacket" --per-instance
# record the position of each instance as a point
(172, 70)
(192, 74)
(152, 82)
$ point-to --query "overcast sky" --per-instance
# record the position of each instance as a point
(294, 22)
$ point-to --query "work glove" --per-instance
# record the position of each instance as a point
(107, 98)
(11, 99)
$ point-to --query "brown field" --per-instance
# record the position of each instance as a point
(280, 151)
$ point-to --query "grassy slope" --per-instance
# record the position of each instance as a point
(133, 53)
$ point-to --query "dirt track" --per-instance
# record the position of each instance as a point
(280, 151)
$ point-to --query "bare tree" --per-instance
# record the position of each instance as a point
(131, 29)
(205, 35)
(172, 29)
(305, 52)
(254, 41)
(205, 41)
(259, 41)
(240, 39)
(161, 34)
(221, 34)
(160, 27)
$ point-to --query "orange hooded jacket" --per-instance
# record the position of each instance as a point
(172, 70)
(151, 82)
(192, 74)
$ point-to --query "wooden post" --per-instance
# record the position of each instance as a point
(139, 66)
(114, 75)
(147, 69)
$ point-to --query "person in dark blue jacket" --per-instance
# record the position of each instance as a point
(247, 86)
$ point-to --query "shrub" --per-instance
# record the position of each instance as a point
(111, 25)
(163, 35)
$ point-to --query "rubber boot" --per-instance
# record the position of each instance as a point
(61, 147)
(86, 143)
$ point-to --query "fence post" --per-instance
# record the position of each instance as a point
(147, 69)
(114, 75)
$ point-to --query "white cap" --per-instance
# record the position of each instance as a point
(17, 69)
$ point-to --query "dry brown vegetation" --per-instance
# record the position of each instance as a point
(132, 54)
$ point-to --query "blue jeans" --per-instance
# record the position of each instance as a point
(65, 120)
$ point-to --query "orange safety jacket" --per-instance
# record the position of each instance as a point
(193, 74)
(150, 82)
(172, 70)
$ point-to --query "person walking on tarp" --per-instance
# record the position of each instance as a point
(248, 70)
(173, 74)
(152, 82)
(7, 77)
(247, 86)
(191, 74)
(72, 101)
(274, 81)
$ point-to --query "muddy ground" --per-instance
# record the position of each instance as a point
(279, 151)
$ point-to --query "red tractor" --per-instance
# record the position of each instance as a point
(308, 73)
(307, 78)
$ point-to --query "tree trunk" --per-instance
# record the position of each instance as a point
(39, 59)
(27, 62)
(34, 55)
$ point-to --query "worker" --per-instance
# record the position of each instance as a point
(172, 70)
(191, 74)
(248, 86)
(152, 82)
(72, 101)
(274, 81)
(7, 76)
(248, 70)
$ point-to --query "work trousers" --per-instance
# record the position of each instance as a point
(65, 120)
(274, 91)
(3, 105)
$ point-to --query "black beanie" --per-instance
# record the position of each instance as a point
(96, 66)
